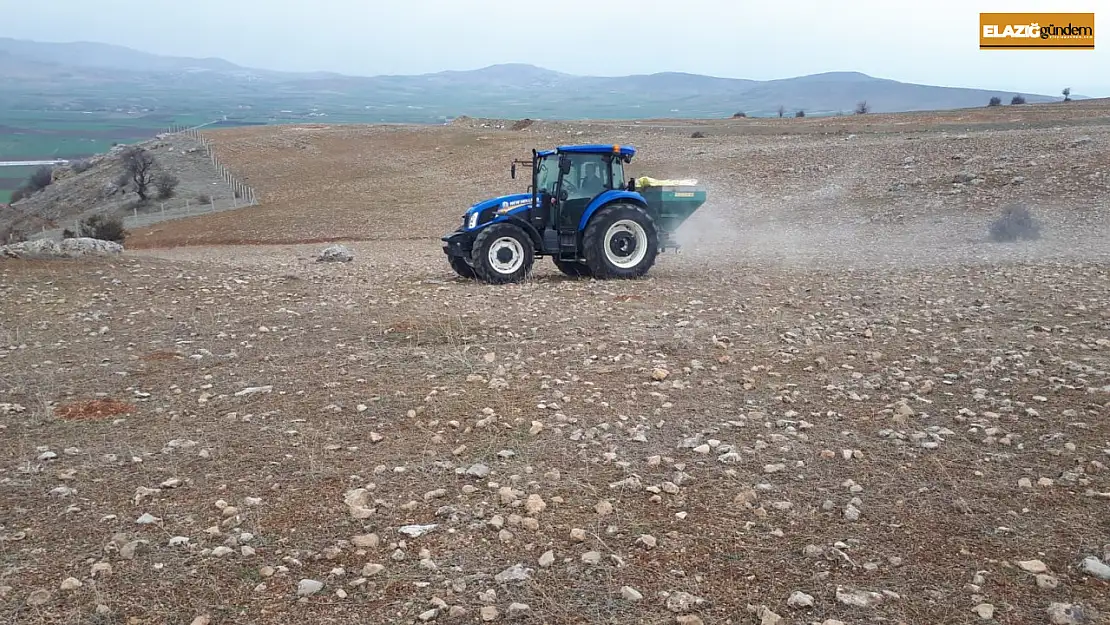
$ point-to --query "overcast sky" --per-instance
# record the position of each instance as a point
(932, 42)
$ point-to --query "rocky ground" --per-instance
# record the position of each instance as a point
(842, 403)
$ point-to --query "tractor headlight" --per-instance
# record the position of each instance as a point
(473, 221)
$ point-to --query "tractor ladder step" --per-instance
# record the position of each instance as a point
(568, 245)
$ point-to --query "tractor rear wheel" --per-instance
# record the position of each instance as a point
(502, 253)
(574, 269)
(621, 241)
(461, 267)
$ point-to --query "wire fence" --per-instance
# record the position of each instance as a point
(135, 216)
(237, 186)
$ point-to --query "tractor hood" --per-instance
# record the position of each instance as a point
(510, 202)
(487, 211)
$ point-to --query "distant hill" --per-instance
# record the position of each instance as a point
(100, 77)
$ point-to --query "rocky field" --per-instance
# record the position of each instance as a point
(841, 403)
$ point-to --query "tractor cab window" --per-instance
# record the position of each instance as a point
(617, 173)
(589, 176)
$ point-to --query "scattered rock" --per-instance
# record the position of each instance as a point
(66, 248)
(799, 599)
(308, 587)
(631, 594)
(335, 254)
(984, 610)
(1093, 566)
(1033, 566)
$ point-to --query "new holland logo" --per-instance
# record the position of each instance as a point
(508, 206)
(1036, 31)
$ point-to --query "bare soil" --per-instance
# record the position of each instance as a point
(841, 386)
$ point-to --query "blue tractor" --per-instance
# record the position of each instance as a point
(579, 211)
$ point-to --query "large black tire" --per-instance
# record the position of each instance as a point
(502, 253)
(461, 267)
(574, 269)
(621, 241)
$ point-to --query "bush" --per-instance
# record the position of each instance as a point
(862, 108)
(1017, 100)
(739, 115)
(697, 135)
(41, 179)
(800, 114)
(1067, 94)
(11, 235)
(995, 101)
(1015, 223)
(80, 167)
(104, 228)
(166, 184)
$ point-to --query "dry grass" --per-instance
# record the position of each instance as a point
(815, 353)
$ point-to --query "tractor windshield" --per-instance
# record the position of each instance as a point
(547, 174)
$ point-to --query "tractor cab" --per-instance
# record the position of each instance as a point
(565, 181)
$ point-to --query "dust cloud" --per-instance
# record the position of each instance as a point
(824, 229)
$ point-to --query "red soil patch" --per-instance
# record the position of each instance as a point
(92, 410)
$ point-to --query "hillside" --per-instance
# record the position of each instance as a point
(90, 76)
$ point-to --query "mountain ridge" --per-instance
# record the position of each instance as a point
(76, 75)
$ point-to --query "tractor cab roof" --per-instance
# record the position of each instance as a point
(624, 150)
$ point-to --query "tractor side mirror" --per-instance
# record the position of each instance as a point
(564, 165)
(512, 171)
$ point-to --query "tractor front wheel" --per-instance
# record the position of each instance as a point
(621, 241)
(461, 267)
(574, 269)
(502, 253)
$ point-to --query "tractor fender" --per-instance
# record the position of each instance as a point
(608, 198)
(533, 234)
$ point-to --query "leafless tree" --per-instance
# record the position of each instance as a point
(140, 166)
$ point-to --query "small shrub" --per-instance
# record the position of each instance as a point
(862, 108)
(104, 228)
(204, 198)
(1016, 222)
(41, 179)
(995, 101)
(80, 167)
(123, 180)
(1017, 100)
(166, 184)
(782, 111)
(697, 135)
(800, 113)
(739, 115)
(68, 234)
(12, 235)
